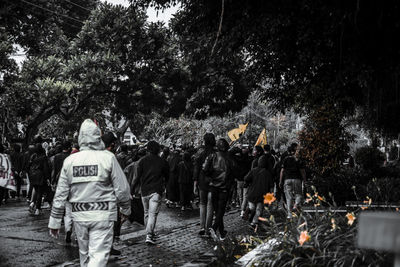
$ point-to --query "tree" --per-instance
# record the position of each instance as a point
(148, 77)
(310, 53)
(37, 25)
(324, 141)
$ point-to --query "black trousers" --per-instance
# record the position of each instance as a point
(18, 181)
(219, 199)
(185, 191)
(37, 198)
(3, 194)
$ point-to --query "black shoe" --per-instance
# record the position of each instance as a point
(202, 232)
(223, 235)
(115, 252)
(68, 237)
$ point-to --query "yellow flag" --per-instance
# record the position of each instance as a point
(235, 134)
(262, 139)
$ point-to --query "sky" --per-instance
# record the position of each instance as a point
(152, 14)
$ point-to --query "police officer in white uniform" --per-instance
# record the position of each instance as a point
(94, 183)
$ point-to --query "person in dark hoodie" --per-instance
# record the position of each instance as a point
(201, 181)
(259, 182)
(39, 174)
(219, 166)
(185, 179)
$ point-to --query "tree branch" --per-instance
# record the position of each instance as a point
(220, 27)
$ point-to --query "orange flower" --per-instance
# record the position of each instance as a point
(350, 218)
(262, 219)
(304, 237)
(334, 226)
(269, 198)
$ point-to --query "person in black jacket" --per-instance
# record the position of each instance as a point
(152, 173)
(201, 181)
(259, 181)
(218, 166)
(39, 175)
(16, 161)
(58, 162)
(185, 179)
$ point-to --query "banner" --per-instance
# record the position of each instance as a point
(235, 134)
(6, 175)
(262, 139)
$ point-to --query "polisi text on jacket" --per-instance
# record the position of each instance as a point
(84, 171)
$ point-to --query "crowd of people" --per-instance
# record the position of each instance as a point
(96, 184)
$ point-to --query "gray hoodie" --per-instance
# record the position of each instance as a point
(92, 181)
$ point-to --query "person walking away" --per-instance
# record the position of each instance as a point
(202, 182)
(25, 170)
(291, 177)
(152, 174)
(137, 214)
(39, 175)
(6, 175)
(219, 167)
(185, 179)
(173, 185)
(123, 156)
(16, 161)
(257, 153)
(94, 183)
(109, 139)
(58, 162)
(259, 182)
(244, 166)
(280, 194)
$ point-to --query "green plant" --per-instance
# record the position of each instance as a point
(326, 239)
(369, 158)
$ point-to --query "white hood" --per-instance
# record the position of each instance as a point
(90, 136)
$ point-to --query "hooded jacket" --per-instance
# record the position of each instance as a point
(92, 181)
(260, 181)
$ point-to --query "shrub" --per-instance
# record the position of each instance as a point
(328, 240)
(384, 189)
(369, 158)
(344, 185)
(393, 153)
(324, 141)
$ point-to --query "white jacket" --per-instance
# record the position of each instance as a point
(92, 181)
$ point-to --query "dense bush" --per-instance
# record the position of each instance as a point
(369, 158)
(315, 239)
(384, 189)
(348, 184)
(393, 153)
(324, 141)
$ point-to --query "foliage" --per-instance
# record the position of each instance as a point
(330, 240)
(369, 158)
(117, 62)
(384, 189)
(38, 25)
(324, 141)
(393, 153)
(347, 184)
(306, 53)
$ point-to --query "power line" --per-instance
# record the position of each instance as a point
(78, 5)
(51, 11)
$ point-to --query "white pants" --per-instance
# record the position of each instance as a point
(95, 240)
(68, 217)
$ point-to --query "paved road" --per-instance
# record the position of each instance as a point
(24, 240)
